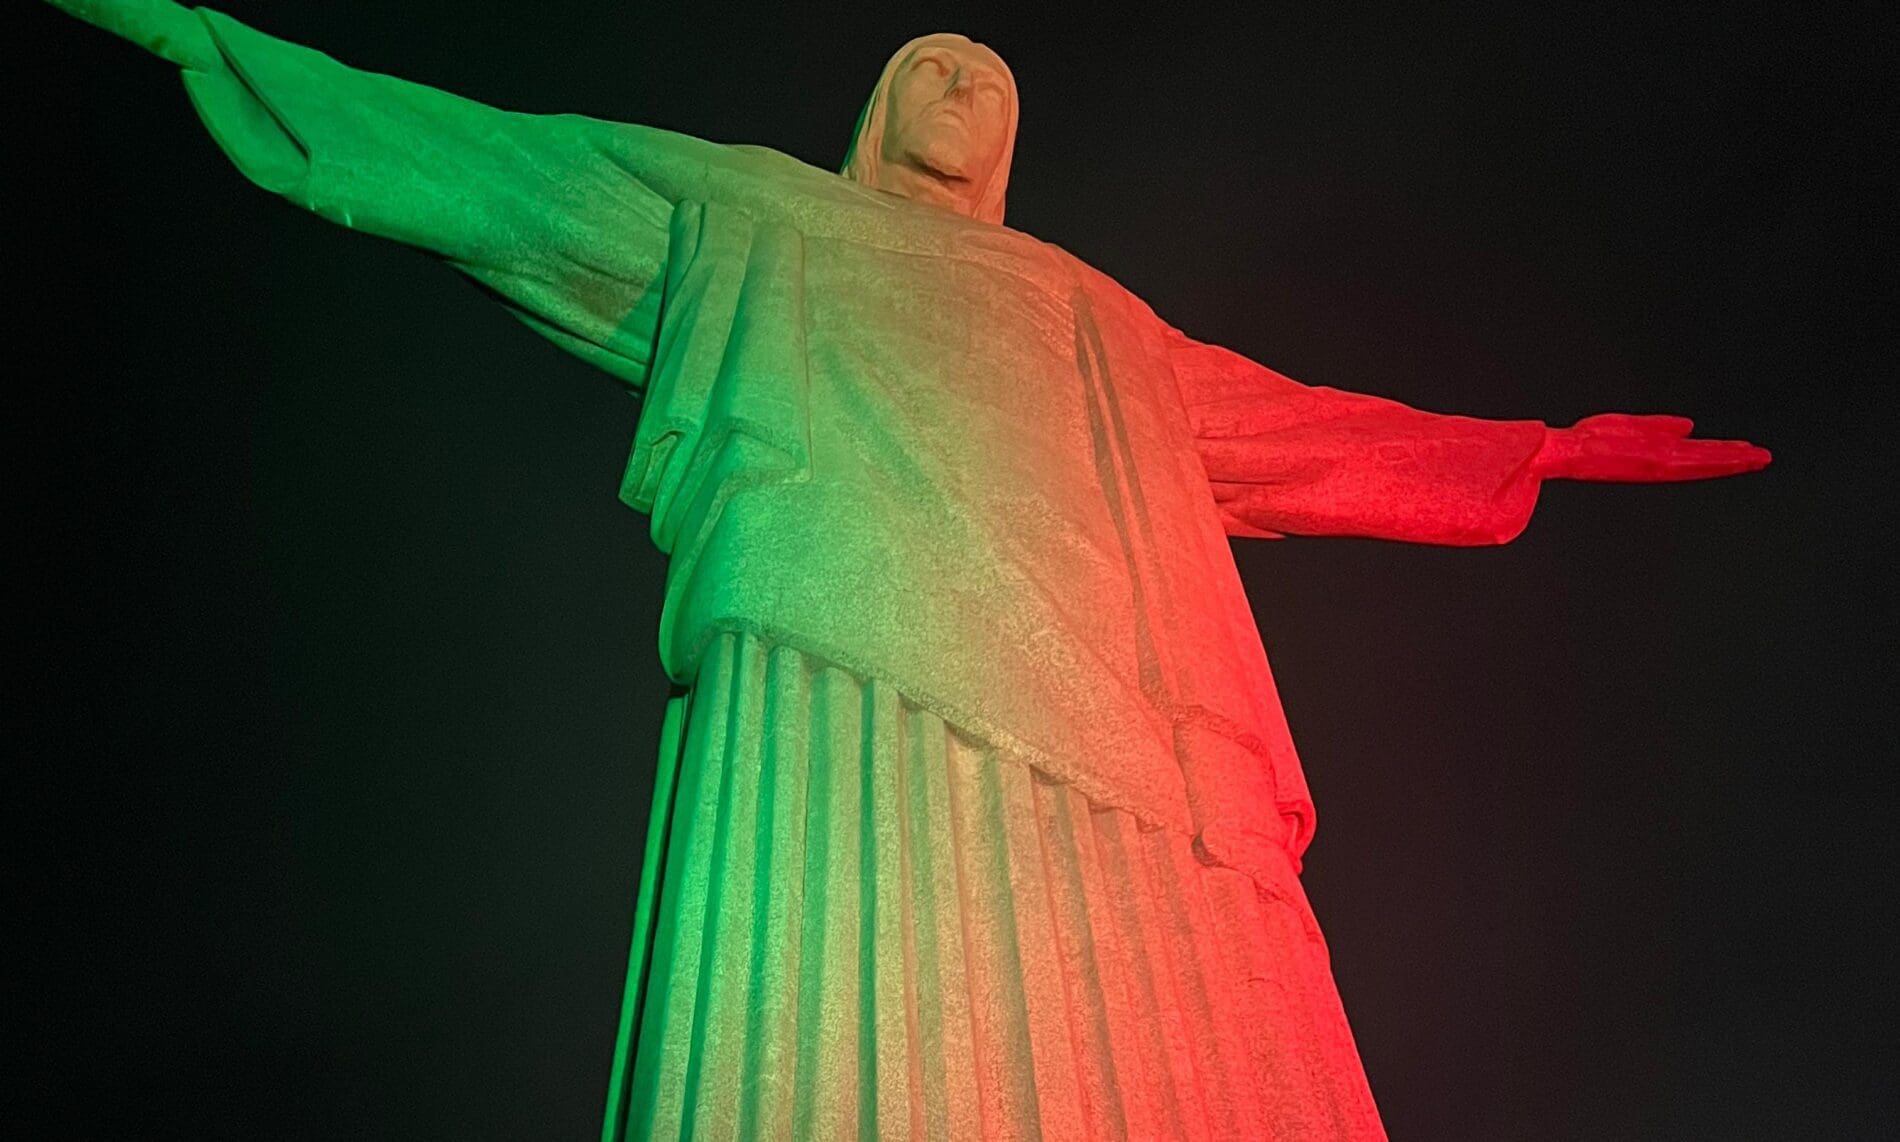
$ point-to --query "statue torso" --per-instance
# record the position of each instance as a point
(951, 456)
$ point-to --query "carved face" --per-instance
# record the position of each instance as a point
(947, 124)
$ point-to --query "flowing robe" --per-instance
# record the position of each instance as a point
(937, 454)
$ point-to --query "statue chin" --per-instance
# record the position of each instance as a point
(942, 158)
(933, 178)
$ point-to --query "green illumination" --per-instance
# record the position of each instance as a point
(979, 816)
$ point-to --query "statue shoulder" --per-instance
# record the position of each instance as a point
(1104, 292)
(777, 166)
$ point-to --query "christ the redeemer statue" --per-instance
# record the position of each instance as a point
(978, 817)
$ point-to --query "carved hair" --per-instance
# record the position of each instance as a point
(861, 161)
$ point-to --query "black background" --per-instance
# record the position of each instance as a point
(342, 686)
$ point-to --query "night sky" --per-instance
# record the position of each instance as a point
(342, 688)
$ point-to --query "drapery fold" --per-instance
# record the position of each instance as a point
(871, 926)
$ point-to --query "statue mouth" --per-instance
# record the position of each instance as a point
(956, 111)
(942, 175)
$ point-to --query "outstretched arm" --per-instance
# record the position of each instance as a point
(167, 30)
(1284, 457)
(563, 216)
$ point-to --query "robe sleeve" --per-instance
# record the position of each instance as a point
(565, 218)
(1287, 458)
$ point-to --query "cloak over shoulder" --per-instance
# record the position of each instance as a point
(927, 448)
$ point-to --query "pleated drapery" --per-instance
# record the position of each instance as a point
(865, 925)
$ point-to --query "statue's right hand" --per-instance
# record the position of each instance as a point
(161, 27)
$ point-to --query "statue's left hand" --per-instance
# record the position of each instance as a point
(1621, 447)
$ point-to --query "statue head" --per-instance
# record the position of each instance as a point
(939, 127)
